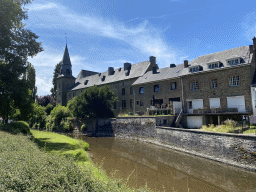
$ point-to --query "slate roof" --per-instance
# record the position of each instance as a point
(162, 74)
(136, 70)
(169, 73)
(85, 73)
(66, 58)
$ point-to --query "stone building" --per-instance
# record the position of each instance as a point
(206, 90)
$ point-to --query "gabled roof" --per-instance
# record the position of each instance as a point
(66, 58)
(119, 74)
(169, 73)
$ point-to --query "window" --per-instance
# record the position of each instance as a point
(213, 65)
(234, 81)
(156, 88)
(141, 103)
(123, 104)
(234, 61)
(68, 71)
(194, 69)
(138, 102)
(69, 95)
(194, 86)
(123, 83)
(141, 90)
(173, 85)
(131, 90)
(123, 91)
(214, 84)
(74, 94)
(86, 82)
(190, 104)
(131, 103)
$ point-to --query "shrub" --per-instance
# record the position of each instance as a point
(83, 127)
(16, 127)
(66, 123)
(230, 123)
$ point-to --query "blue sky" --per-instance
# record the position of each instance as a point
(108, 33)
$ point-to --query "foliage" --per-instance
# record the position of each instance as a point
(16, 127)
(66, 123)
(54, 80)
(17, 76)
(38, 117)
(49, 108)
(45, 100)
(60, 118)
(228, 127)
(93, 102)
(230, 123)
(83, 127)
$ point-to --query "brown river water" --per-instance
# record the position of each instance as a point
(139, 163)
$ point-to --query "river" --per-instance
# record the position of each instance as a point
(139, 163)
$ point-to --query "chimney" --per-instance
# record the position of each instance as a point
(172, 65)
(152, 60)
(127, 66)
(110, 70)
(154, 70)
(185, 63)
(254, 43)
(251, 48)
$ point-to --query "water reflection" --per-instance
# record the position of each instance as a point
(162, 168)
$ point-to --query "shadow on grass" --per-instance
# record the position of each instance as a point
(45, 143)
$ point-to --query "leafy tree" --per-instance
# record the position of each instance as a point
(49, 108)
(93, 102)
(39, 116)
(16, 45)
(45, 100)
(54, 80)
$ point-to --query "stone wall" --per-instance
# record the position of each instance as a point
(229, 148)
(135, 126)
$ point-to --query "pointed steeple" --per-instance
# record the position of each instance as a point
(66, 58)
(66, 67)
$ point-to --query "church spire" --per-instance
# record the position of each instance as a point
(66, 67)
(66, 58)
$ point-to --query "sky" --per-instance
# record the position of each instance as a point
(108, 33)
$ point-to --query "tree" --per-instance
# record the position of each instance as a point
(16, 45)
(54, 80)
(45, 100)
(93, 102)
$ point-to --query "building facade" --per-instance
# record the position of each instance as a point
(206, 90)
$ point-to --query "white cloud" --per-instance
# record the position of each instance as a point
(39, 7)
(142, 37)
(44, 86)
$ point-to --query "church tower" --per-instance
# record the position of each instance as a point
(65, 79)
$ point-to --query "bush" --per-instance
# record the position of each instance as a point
(16, 127)
(230, 123)
(66, 124)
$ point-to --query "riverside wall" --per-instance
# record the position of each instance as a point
(235, 149)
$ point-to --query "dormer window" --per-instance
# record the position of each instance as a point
(86, 82)
(103, 78)
(234, 61)
(215, 65)
(196, 69)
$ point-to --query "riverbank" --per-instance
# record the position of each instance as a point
(51, 162)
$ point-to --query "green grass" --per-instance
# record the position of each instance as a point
(62, 145)
(252, 130)
(219, 128)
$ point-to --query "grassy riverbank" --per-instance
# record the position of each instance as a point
(60, 163)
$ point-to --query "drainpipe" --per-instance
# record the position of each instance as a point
(182, 93)
(133, 101)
